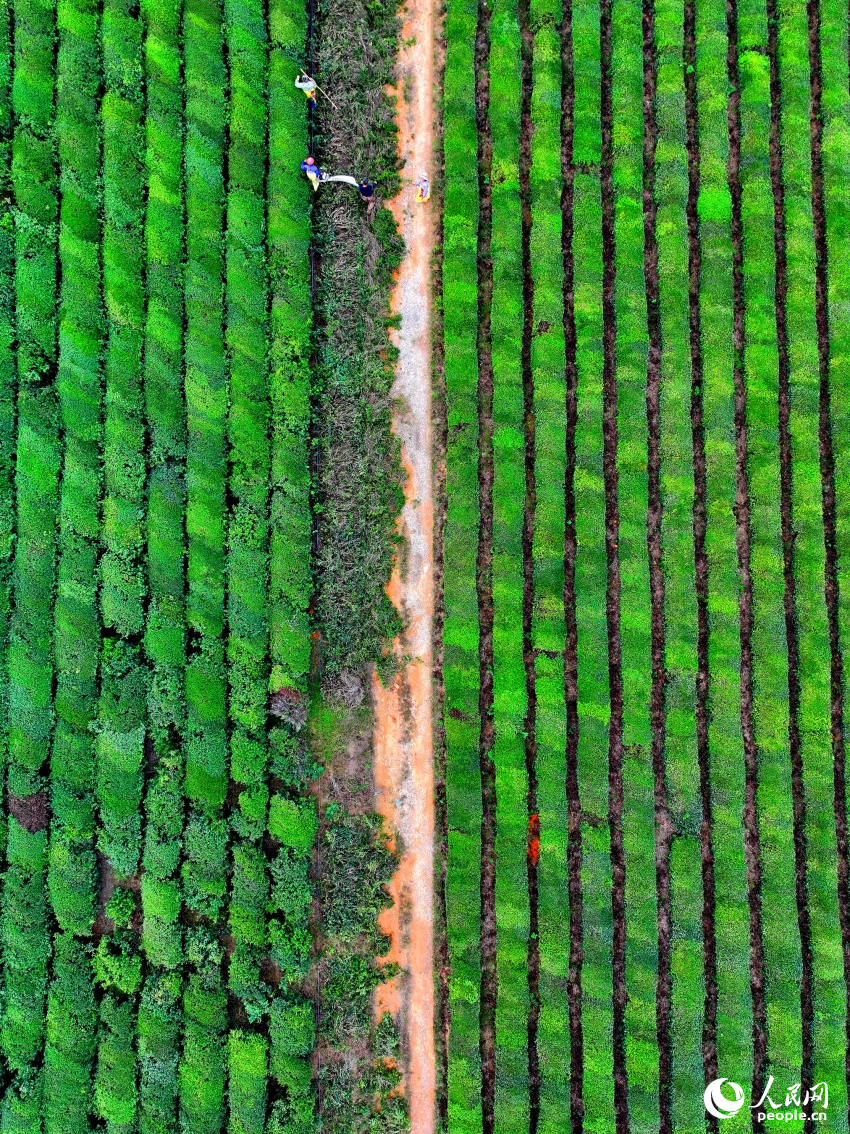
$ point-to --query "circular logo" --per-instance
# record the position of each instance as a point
(717, 1104)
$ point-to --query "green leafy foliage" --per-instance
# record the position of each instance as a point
(165, 625)
(79, 382)
(678, 558)
(203, 1060)
(7, 361)
(293, 823)
(29, 657)
(28, 695)
(292, 1026)
(507, 580)
(71, 1039)
(25, 949)
(459, 314)
(247, 1071)
(115, 1092)
(119, 745)
(158, 1030)
(117, 965)
(724, 642)
(548, 370)
(122, 582)
(291, 894)
(205, 843)
(161, 895)
(290, 582)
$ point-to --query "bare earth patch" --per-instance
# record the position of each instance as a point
(29, 810)
(403, 756)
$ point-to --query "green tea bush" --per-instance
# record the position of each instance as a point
(289, 350)
(71, 1039)
(30, 654)
(682, 768)
(7, 358)
(71, 863)
(290, 897)
(117, 965)
(548, 358)
(835, 117)
(813, 671)
(835, 156)
(122, 581)
(293, 823)
(248, 433)
(203, 1060)
(204, 878)
(506, 323)
(459, 313)
(21, 1108)
(248, 759)
(724, 642)
(115, 1092)
(204, 869)
(292, 1116)
(206, 372)
(249, 895)
(119, 745)
(79, 382)
(245, 983)
(160, 1012)
(634, 608)
(292, 1026)
(289, 946)
(161, 894)
(25, 943)
(164, 821)
(247, 1071)
(158, 1031)
(769, 664)
(206, 744)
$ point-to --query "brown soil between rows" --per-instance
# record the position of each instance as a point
(403, 744)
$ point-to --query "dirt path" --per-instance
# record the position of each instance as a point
(403, 767)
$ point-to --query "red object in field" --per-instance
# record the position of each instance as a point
(533, 851)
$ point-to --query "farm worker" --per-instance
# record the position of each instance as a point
(366, 189)
(423, 189)
(308, 86)
(313, 172)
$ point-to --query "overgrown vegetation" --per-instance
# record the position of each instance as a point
(359, 489)
(358, 1059)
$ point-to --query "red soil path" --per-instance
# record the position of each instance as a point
(403, 760)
